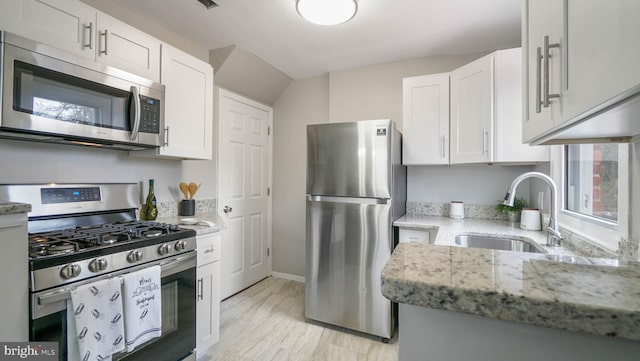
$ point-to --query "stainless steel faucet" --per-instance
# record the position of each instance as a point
(553, 232)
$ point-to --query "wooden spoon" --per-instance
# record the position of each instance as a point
(185, 190)
(193, 188)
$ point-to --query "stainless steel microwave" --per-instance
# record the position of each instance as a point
(49, 95)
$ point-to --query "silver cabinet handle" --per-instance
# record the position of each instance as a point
(538, 80)
(90, 28)
(485, 141)
(106, 35)
(136, 112)
(227, 209)
(547, 55)
(210, 250)
(444, 154)
(201, 289)
(166, 136)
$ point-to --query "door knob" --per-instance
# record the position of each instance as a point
(227, 209)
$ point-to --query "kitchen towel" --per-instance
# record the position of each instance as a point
(142, 306)
(97, 311)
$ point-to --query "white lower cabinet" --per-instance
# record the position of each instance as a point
(208, 292)
(408, 235)
(14, 278)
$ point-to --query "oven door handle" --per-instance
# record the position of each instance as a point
(136, 113)
(169, 267)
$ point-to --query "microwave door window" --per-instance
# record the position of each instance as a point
(60, 97)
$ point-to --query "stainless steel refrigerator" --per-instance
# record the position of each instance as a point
(356, 188)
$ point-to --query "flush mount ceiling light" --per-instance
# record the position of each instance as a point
(327, 12)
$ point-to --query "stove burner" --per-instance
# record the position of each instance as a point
(40, 238)
(38, 250)
(152, 233)
(113, 238)
(60, 249)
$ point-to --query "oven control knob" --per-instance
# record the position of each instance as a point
(181, 245)
(97, 265)
(70, 271)
(134, 256)
(164, 249)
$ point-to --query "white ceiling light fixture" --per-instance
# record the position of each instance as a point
(327, 12)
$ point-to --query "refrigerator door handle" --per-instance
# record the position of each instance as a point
(354, 200)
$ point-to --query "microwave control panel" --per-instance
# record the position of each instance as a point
(149, 115)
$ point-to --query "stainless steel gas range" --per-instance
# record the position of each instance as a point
(82, 233)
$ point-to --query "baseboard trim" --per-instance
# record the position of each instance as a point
(288, 276)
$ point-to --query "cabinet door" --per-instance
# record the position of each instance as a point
(64, 24)
(408, 235)
(208, 307)
(603, 58)
(542, 18)
(425, 120)
(188, 111)
(14, 278)
(508, 146)
(127, 48)
(472, 112)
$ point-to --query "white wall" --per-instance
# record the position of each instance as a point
(304, 102)
(29, 162)
(375, 91)
(470, 184)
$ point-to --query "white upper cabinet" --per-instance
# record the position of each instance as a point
(188, 111)
(425, 120)
(472, 111)
(486, 112)
(603, 58)
(581, 56)
(126, 48)
(65, 24)
(542, 19)
(79, 29)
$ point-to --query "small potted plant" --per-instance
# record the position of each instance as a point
(512, 212)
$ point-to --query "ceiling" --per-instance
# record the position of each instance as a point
(382, 31)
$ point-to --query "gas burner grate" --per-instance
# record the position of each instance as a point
(84, 237)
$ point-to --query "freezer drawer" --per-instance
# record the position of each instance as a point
(348, 243)
(350, 159)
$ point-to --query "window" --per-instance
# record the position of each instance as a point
(592, 180)
(593, 191)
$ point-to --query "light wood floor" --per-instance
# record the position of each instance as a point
(266, 322)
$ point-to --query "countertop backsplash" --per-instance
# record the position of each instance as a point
(483, 211)
(172, 209)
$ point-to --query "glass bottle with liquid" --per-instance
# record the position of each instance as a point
(149, 210)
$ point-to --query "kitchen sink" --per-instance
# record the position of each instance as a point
(499, 243)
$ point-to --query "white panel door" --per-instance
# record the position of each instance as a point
(245, 163)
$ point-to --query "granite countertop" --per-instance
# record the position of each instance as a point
(200, 228)
(597, 296)
(13, 208)
(447, 228)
